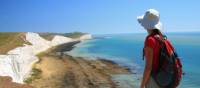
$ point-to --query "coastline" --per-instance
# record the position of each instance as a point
(59, 70)
(16, 65)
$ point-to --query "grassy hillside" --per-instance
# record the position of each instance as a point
(74, 34)
(10, 40)
(49, 36)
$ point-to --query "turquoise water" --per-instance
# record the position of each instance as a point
(126, 49)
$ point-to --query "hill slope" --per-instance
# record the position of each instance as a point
(11, 40)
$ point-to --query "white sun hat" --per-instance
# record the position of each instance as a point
(150, 20)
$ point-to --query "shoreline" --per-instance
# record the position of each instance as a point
(59, 70)
(17, 63)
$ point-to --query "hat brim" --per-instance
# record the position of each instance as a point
(158, 26)
(145, 22)
(140, 18)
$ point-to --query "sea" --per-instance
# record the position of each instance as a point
(126, 50)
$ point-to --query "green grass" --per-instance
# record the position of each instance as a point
(10, 40)
(74, 34)
(35, 74)
(49, 36)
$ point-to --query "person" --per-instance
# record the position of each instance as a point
(151, 22)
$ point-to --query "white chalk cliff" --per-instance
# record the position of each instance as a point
(85, 37)
(18, 62)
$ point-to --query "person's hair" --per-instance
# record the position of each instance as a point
(157, 31)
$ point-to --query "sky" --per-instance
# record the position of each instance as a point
(96, 16)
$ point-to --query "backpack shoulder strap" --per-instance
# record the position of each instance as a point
(157, 38)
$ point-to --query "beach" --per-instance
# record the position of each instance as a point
(64, 71)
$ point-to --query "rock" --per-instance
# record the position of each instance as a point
(57, 40)
(86, 37)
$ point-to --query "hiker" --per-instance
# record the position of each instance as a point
(152, 48)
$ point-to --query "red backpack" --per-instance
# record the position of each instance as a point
(169, 72)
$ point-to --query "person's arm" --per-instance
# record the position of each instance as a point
(148, 66)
